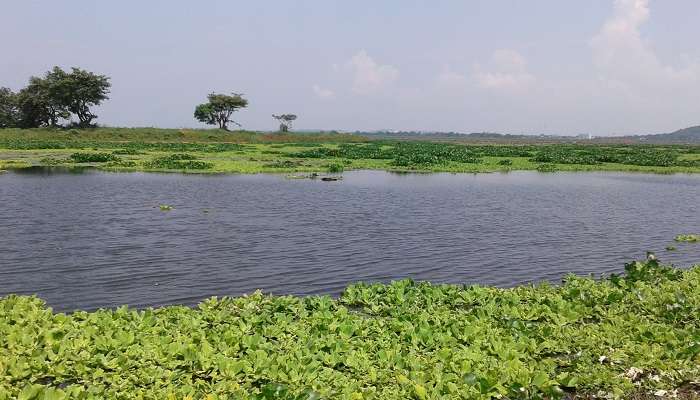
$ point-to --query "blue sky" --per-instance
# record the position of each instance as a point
(545, 66)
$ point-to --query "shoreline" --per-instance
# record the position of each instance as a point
(206, 151)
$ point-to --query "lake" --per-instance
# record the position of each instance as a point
(97, 239)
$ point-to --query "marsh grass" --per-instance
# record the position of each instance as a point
(250, 152)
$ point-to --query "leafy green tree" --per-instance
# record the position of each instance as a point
(40, 103)
(9, 114)
(79, 90)
(54, 97)
(285, 121)
(219, 108)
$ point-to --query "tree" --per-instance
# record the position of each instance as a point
(40, 103)
(219, 108)
(285, 121)
(79, 90)
(9, 114)
(48, 100)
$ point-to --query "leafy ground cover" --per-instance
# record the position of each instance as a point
(630, 336)
(148, 149)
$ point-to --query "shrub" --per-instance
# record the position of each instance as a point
(93, 157)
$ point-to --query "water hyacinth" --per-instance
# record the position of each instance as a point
(635, 333)
(687, 238)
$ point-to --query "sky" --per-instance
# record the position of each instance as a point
(601, 67)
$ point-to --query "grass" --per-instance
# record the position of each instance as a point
(149, 149)
(622, 337)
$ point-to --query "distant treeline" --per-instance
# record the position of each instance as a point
(54, 99)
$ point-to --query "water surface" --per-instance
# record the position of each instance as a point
(97, 239)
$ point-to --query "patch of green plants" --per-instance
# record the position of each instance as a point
(121, 163)
(53, 161)
(178, 161)
(547, 168)
(506, 162)
(124, 152)
(402, 154)
(283, 164)
(638, 332)
(687, 238)
(93, 157)
(592, 155)
(335, 168)
(123, 148)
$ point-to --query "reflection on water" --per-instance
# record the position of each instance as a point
(87, 239)
(52, 170)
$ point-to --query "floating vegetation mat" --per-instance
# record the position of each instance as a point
(688, 238)
(615, 338)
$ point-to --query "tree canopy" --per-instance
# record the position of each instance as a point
(56, 96)
(285, 121)
(8, 108)
(219, 109)
(80, 90)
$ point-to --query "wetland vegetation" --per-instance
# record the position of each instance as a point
(630, 336)
(217, 151)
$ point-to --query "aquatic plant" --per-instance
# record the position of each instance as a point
(687, 238)
(547, 168)
(627, 334)
(177, 161)
(165, 207)
(592, 155)
(121, 163)
(181, 156)
(131, 151)
(287, 164)
(93, 157)
(335, 168)
(53, 161)
(506, 162)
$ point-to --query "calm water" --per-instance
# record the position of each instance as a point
(99, 239)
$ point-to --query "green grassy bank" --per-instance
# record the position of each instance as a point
(213, 151)
(630, 337)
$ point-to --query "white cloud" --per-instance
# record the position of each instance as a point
(451, 79)
(621, 55)
(322, 92)
(369, 76)
(507, 69)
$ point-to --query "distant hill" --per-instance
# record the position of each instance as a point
(466, 137)
(682, 136)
